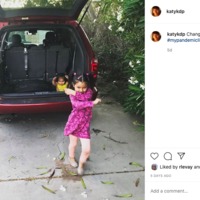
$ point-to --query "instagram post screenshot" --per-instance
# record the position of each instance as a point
(172, 37)
(75, 76)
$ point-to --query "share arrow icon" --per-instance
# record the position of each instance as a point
(181, 154)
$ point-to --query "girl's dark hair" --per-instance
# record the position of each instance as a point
(86, 77)
(61, 75)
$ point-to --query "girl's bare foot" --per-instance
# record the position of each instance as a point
(72, 162)
(80, 171)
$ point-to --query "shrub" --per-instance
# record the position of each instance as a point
(118, 39)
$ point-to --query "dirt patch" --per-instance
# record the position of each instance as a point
(68, 172)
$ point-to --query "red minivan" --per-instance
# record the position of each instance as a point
(39, 41)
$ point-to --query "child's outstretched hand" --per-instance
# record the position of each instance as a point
(69, 91)
(96, 101)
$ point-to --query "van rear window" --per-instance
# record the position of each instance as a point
(29, 37)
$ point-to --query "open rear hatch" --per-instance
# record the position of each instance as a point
(12, 10)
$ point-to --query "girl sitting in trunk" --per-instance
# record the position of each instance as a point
(60, 82)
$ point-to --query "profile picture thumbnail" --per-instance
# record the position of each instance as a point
(154, 166)
(155, 36)
(155, 11)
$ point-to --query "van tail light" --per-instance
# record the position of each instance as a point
(94, 67)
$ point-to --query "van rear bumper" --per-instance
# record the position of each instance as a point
(35, 108)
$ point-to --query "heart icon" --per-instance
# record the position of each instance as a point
(154, 155)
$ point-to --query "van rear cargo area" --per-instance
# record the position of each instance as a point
(28, 86)
(33, 56)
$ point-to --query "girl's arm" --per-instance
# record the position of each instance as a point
(69, 91)
(54, 81)
(80, 104)
(80, 96)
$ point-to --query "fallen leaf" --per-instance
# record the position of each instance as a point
(135, 164)
(137, 182)
(72, 173)
(41, 167)
(45, 172)
(124, 195)
(51, 175)
(44, 135)
(49, 190)
(62, 156)
(98, 130)
(107, 182)
(83, 183)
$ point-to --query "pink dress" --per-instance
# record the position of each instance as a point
(78, 123)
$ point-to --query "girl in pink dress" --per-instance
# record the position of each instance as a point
(78, 124)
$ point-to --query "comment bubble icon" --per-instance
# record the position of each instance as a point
(167, 156)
